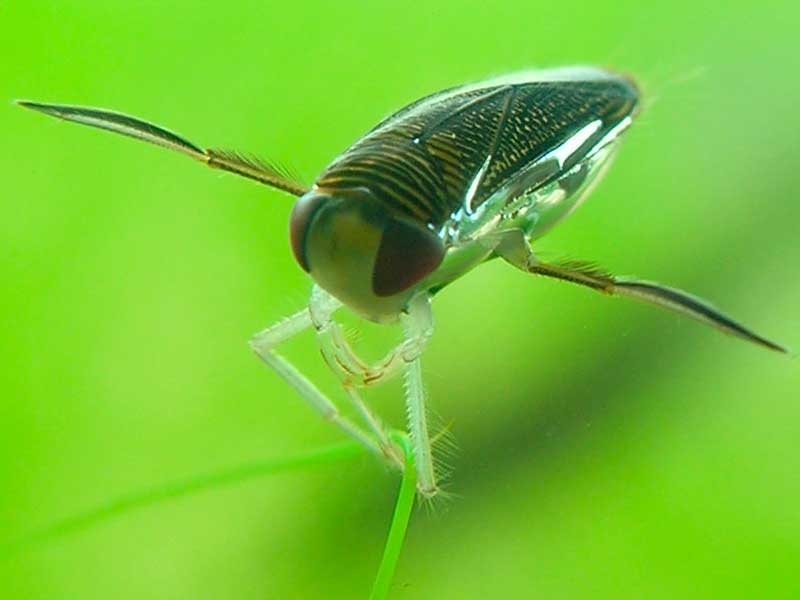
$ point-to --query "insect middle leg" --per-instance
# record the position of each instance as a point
(418, 325)
(263, 344)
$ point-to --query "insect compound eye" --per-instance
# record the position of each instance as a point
(407, 253)
(302, 215)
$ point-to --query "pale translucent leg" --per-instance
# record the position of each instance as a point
(321, 309)
(341, 357)
(263, 344)
(418, 326)
(389, 450)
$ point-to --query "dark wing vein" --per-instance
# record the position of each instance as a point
(433, 127)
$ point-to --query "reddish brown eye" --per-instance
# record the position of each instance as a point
(302, 214)
(407, 253)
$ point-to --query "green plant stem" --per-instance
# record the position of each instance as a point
(397, 530)
(177, 489)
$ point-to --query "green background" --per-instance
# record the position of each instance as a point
(604, 449)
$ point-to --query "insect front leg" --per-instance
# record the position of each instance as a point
(263, 344)
(344, 363)
(418, 326)
(340, 355)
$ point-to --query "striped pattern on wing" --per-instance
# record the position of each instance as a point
(421, 161)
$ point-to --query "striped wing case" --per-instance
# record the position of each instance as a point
(463, 144)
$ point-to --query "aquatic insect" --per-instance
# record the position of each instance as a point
(460, 177)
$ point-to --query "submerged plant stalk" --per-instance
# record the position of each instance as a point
(397, 530)
(177, 489)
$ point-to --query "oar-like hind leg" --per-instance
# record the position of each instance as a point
(514, 248)
(139, 129)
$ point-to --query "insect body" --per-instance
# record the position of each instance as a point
(466, 175)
